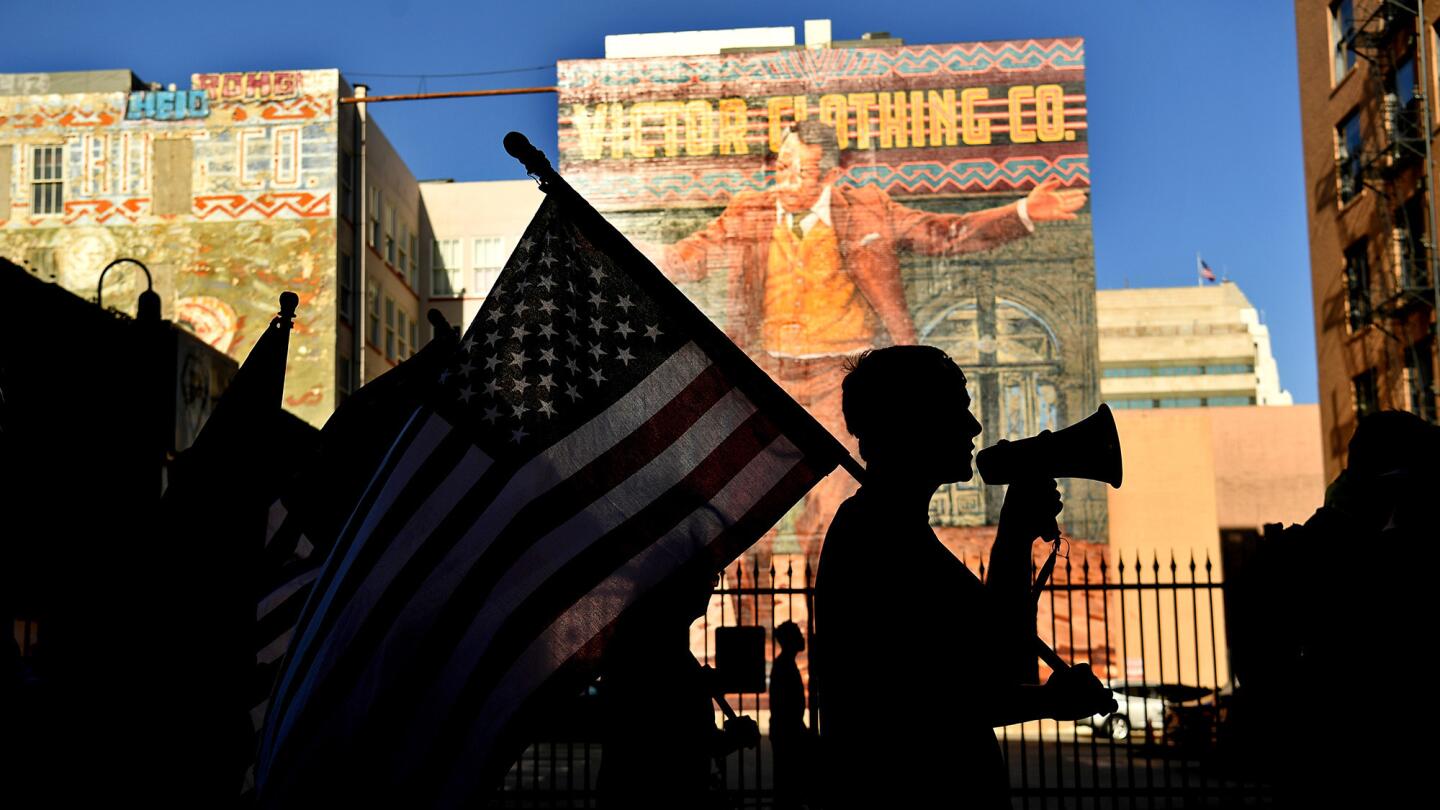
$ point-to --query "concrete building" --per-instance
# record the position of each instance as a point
(1184, 347)
(230, 191)
(1367, 70)
(475, 227)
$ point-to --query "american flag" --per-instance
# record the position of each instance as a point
(593, 436)
(1205, 272)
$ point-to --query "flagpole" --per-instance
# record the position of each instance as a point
(670, 297)
(1199, 276)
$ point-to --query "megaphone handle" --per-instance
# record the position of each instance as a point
(1051, 658)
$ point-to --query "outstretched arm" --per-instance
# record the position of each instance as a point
(933, 233)
(688, 259)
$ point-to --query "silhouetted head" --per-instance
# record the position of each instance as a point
(789, 637)
(809, 160)
(909, 408)
(1393, 442)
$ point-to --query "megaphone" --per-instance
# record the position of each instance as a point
(1089, 449)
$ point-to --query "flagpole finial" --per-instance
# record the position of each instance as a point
(288, 302)
(436, 319)
(534, 160)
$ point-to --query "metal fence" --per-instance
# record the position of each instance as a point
(1152, 628)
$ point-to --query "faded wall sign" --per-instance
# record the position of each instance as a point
(818, 203)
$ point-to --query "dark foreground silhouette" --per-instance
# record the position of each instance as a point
(917, 660)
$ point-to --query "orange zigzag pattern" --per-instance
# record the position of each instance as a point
(267, 205)
(102, 211)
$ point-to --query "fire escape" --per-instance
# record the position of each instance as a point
(1396, 166)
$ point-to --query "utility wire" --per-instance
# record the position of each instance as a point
(424, 76)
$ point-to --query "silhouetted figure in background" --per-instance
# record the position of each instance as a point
(1325, 638)
(918, 661)
(790, 738)
(660, 737)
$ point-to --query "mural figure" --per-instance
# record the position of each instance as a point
(815, 275)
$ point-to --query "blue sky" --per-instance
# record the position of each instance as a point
(1193, 107)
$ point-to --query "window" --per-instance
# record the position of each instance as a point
(1230, 368)
(374, 295)
(1217, 402)
(390, 234)
(1357, 285)
(347, 186)
(1180, 402)
(1342, 25)
(1420, 379)
(344, 379)
(489, 259)
(414, 337)
(347, 286)
(402, 334)
(446, 278)
(1347, 156)
(48, 180)
(1365, 391)
(389, 328)
(1411, 264)
(402, 248)
(413, 271)
(373, 234)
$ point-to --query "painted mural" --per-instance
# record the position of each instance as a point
(241, 210)
(818, 203)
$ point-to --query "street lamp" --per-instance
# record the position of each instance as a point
(148, 306)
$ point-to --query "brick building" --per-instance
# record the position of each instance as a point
(1367, 77)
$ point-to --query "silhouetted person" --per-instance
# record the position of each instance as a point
(1327, 637)
(660, 737)
(790, 739)
(916, 660)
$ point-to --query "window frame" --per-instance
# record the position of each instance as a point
(53, 181)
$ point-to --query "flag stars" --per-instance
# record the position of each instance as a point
(624, 356)
(469, 344)
(519, 309)
(466, 368)
(596, 273)
(518, 360)
(491, 388)
(519, 410)
(491, 338)
(624, 303)
(519, 385)
(547, 331)
(571, 366)
(547, 259)
(546, 282)
(547, 356)
(444, 375)
(495, 315)
(492, 414)
(572, 392)
(518, 332)
(491, 362)
(597, 325)
(624, 329)
(597, 300)
(466, 393)
(596, 351)
(546, 408)
(518, 435)
(571, 314)
(527, 243)
(572, 339)
(596, 376)
(547, 306)
(653, 332)
(547, 381)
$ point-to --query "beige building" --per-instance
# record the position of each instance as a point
(1184, 347)
(474, 227)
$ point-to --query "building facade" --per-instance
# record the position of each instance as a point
(476, 227)
(1367, 77)
(230, 191)
(1184, 347)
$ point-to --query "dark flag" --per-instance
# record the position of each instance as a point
(205, 558)
(593, 436)
(303, 523)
